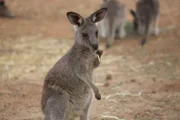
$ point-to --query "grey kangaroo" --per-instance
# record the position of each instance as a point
(147, 14)
(114, 22)
(68, 87)
(4, 11)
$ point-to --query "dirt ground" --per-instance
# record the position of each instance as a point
(137, 83)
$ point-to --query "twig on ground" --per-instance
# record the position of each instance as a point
(111, 117)
(133, 68)
(125, 93)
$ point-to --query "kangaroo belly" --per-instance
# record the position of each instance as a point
(77, 103)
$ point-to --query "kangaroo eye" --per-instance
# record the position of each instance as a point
(96, 33)
(85, 35)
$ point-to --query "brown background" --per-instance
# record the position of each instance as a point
(40, 34)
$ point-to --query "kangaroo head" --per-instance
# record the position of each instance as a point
(86, 31)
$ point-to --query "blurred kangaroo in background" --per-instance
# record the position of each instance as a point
(114, 21)
(4, 11)
(147, 14)
(68, 88)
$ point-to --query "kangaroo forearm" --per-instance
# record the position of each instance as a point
(98, 58)
(97, 62)
(89, 82)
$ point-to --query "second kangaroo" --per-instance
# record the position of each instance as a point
(147, 13)
(114, 22)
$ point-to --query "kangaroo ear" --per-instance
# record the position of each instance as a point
(75, 18)
(133, 13)
(135, 19)
(98, 15)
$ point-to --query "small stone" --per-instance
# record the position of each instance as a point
(133, 80)
(154, 79)
(23, 95)
(109, 77)
(153, 91)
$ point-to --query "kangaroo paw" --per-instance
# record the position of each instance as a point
(99, 52)
(98, 96)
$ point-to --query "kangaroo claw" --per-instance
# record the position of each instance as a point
(98, 96)
(99, 52)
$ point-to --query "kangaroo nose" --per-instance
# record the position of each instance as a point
(95, 46)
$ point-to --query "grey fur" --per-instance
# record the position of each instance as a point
(68, 88)
(115, 20)
(147, 14)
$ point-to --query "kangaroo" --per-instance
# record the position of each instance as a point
(4, 11)
(68, 88)
(114, 21)
(147, 14)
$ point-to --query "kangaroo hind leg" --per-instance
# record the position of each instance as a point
(56, 107)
